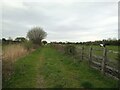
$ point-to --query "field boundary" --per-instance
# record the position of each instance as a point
(102, 63)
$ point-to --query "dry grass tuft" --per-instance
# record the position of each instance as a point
(12, 52)
(9, 55)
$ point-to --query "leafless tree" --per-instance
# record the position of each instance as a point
(36, 35)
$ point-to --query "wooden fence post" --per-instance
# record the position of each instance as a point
(82, 53)
(103, 65)
(90, 55)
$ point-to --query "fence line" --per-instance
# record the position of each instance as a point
(101, 63)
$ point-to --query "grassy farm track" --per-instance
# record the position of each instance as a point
(48, 68)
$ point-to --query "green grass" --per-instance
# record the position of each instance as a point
(111, 56)
(25, 71)
(49, 68)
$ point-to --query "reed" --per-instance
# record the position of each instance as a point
(10, 54)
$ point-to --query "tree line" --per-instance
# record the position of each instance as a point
(114, 42)
(23, 39)
(37, 34)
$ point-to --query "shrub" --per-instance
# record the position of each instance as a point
(70, 50)
(28, 45)
(44, 42)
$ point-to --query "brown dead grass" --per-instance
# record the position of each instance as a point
(10, 54)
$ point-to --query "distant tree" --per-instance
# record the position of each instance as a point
(44, 42)
(36, 35)
(20, 39)
(60, 42)
(3, 40)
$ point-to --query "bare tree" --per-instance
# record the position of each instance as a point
(36, 35)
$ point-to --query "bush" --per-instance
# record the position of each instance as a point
(70, 50)
(28, 45)
(35, 46)
(44, 42)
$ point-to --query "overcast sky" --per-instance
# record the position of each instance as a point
(72, 20)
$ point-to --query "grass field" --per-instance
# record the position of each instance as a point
(97, 50)
(49, 68)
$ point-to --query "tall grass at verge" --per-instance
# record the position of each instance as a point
(10, 54)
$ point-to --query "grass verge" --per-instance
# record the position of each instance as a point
(48, 68)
